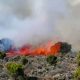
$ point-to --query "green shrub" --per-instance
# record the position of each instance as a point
(77, 74)
(52, 59)
(24, 60)
(78, 58)
(65, 47)
(2, 55)
(14, 68)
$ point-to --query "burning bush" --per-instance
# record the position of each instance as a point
(14, 69)
(51, 59)
(2, 55)
(65, 47)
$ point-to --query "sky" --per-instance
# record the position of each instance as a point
(28, 21)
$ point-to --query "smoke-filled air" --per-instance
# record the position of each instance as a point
(39, 39)
(37, 21)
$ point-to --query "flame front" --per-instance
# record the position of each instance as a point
(48, 49)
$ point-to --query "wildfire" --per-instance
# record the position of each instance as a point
(48, 49)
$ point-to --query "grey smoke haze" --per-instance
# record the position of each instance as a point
(36, 21)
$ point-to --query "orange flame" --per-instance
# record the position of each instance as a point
(48, 49)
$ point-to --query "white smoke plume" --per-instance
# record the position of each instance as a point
(36, 21)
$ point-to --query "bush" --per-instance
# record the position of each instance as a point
(24, 60)
(65, 47)
(32, 78)
(20, 78)
(2, 55)
(52, 59)
(14, 68)
(78, 58)
(77, 74)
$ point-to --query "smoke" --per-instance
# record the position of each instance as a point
(36, 21)
(74, 2)
(6, 45)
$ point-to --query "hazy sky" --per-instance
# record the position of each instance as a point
(33, 21)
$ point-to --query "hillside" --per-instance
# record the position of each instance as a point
(38, 67)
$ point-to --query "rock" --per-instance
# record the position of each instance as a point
(4, 76)
(39, 67)
(1, 68)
